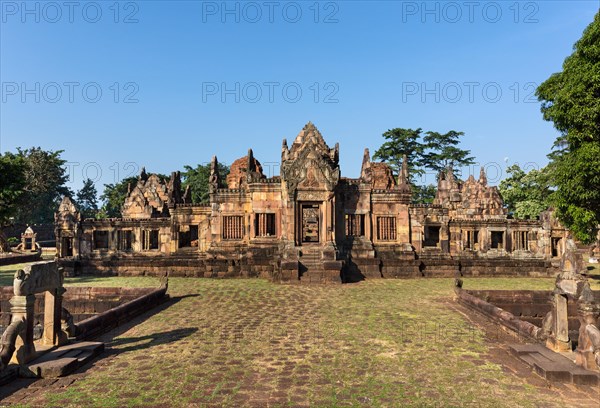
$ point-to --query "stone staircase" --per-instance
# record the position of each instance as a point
(314, 267)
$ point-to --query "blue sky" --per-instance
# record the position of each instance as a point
(183, 80)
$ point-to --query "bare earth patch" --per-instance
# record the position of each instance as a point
(250, 343)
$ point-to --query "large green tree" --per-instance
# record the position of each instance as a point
(87, 199)
(45, 184)
(431, 151)
(197, 179)
(441, 150)
(525, 194)
(571, 100)
(12, 183)
(400, 142)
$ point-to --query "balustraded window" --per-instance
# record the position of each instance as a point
(264, 225)
(355, 225)
(233, 227)
(386, 228)
(150, 239)
(520, 240)
(125, 240)
(471, 239)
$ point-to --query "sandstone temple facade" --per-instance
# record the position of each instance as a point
(309, 224)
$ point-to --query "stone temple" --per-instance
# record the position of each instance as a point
(309, 224)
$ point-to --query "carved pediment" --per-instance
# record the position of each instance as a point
(67, 214)
(136, 205)
(310, 171)
(310, 164)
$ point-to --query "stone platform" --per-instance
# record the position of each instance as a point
(554, 366)
(66, 359)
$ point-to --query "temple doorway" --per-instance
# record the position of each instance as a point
(310, 222)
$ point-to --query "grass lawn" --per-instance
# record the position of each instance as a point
(380, 343)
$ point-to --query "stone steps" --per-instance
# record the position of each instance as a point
(554, 366)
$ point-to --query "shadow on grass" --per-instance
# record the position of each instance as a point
(593, 272)
(150, 340)
(110, 339)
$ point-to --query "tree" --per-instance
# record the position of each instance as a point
(571, 100)
(525, 194)
(423, 194)
(400, 142)
(114, 196)
(12, 183)
(441, 151)
(87, 200)
(433, 151)
(197, 180)
(45, 179)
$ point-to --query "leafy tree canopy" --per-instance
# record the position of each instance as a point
(571, 100)
(432, 151)
(525, 194)
(197, 179)
(12, 183)
(45, 179)
(400, 142)
(441, 151)
(87, 199)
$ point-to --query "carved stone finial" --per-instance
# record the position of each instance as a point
(214, 180)
(365, 169)
(404, 170)
(143, 175)
(482, 177)
(450, 173)
(187, 195)
(335, 157)
(285, 151)
(174, 188)
(251, 165)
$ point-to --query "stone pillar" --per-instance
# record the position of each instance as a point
(22, 309)
(53, 336)
(403, 225)
(560, 341)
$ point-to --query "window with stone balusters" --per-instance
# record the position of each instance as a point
(386, 228)
(233, 227)
(264, 225)
(355, 225)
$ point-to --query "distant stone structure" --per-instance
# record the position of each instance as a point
(309, 224)
(28, 239)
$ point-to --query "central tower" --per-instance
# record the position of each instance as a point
(310, 174)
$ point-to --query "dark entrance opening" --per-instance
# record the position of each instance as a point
(188, 238)
(432, 236)
(67, 247)
(310, 222)
(555, 245)
(497, 240)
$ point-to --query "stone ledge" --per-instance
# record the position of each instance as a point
(66, 359)
(553, 366)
